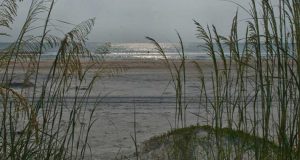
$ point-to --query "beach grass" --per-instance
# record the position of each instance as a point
(37, 120)
(255, 86)
(251, 95)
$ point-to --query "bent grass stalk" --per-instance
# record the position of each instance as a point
(178, 78)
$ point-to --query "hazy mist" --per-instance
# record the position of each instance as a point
(132, 20)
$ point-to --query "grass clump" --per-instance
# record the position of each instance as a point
(198, 142)
(40, 121)
(254, 81)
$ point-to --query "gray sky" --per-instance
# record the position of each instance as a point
(132, 20)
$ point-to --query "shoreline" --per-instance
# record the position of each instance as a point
(128, 63)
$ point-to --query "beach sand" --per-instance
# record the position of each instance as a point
(144, 85)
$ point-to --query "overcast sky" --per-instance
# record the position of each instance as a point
(132, 20)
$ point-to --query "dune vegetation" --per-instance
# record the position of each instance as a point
(37, 119)
(251, 98)
(254, 89)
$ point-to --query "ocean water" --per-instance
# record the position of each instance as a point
(119, 51)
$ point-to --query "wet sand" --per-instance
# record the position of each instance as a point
(143, 85)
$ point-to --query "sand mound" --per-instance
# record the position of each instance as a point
(200, 142)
